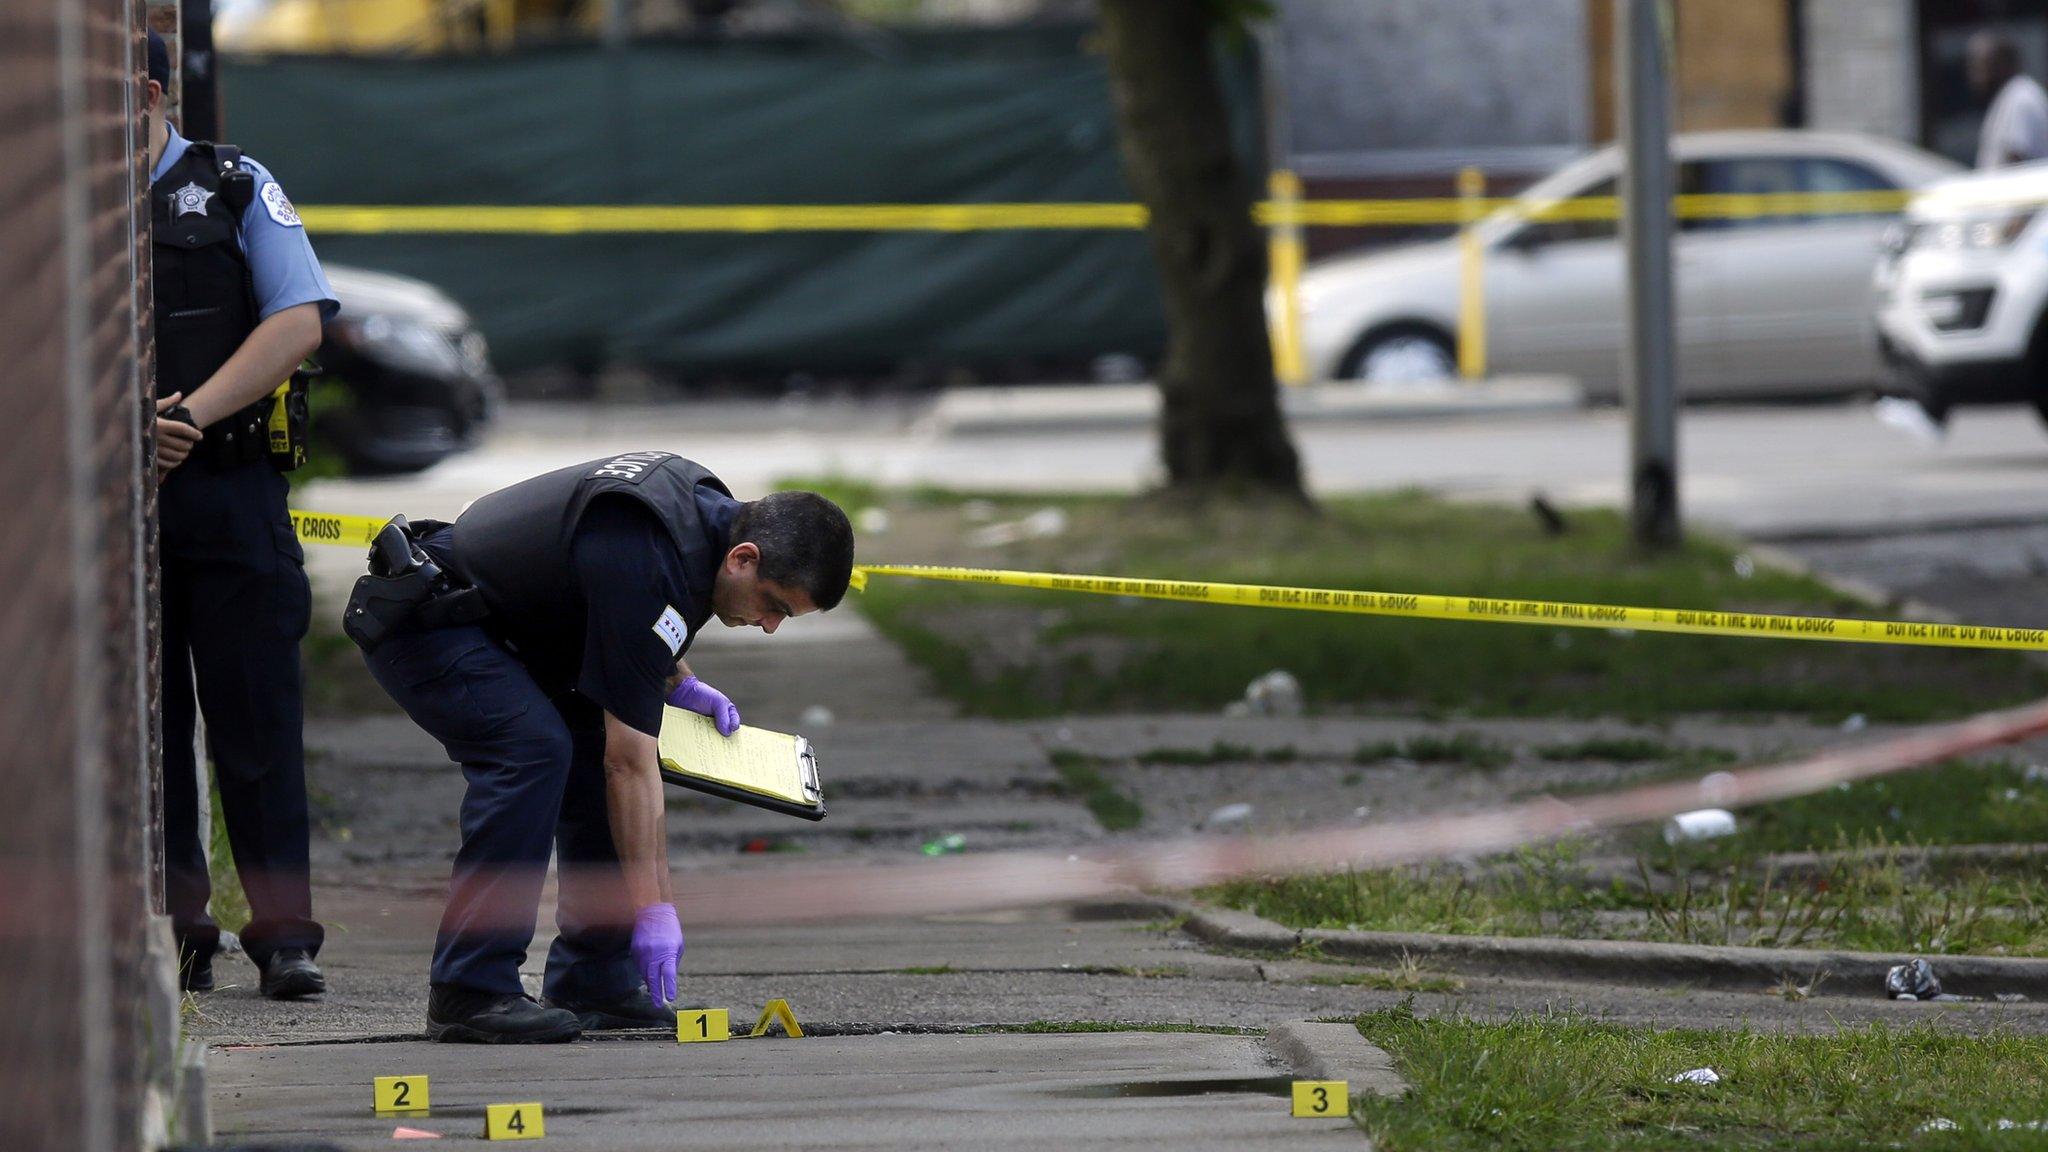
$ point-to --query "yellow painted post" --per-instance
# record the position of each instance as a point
(1285, 257)
(501, 21)
(1471, 277)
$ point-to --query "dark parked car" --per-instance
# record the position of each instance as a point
(416, 384)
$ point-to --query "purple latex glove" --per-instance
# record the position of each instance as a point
(694, 695)
(657, 945)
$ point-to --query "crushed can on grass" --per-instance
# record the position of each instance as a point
(1702, 824)
(944, 845)
(1229, 816)
(1913, 980)
(1277, 693)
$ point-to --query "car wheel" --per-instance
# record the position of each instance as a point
(1403, 354)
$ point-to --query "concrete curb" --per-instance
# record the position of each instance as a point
(1104, 407)
(1822, 973)
(1905, 607)
(1229, 928)
(1128, 908)
(1783, 560)
(1318, 1051)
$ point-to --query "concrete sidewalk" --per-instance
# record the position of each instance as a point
(888, 1091)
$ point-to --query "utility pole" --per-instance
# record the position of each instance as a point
(614, 23)
(1649, 377)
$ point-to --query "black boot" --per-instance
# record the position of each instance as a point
(636, 1009)
(289, 974)
(459, 1015)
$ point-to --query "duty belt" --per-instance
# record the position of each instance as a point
(406, 586)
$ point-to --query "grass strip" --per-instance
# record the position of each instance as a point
(1878, 899)
(1018, 653)
(1543, 1082)
(1114, 810)
(1220, 752)
(1465, 748)
(1633, 750)
(1954, 802)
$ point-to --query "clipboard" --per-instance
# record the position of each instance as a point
(772, 770)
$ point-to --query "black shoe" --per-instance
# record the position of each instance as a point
(458, 1015)
(636, 1009)
(195, 972)
(290, 974)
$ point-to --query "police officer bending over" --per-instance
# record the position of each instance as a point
(239, 303)
(540, 660)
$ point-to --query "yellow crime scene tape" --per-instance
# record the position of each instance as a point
(1490, 610)
(358, 531)
(336, 528)
(586, 219)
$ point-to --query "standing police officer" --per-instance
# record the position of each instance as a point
(239, 303)
(592, 581)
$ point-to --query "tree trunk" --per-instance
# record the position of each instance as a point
(1220, 426)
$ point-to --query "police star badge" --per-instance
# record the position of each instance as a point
(189, 201)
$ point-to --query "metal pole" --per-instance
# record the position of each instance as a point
(1649, 375)
(614, 23)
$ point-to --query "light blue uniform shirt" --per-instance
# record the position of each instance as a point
(282, 266)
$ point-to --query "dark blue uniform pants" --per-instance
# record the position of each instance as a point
(235, 605)
(535, 768)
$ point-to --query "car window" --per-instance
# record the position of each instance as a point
(1768, 175)
(1825, 174)
(1561, 231)
(1564, 231)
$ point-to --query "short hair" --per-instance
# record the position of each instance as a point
(805, 542)
(159, 61)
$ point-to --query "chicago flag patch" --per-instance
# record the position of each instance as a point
(672, 630)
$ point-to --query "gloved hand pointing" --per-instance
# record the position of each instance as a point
(657, 945)
(694, 695)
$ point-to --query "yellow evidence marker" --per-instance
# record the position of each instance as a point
(1322, 1098)
(400, 1093)
(701, 1024)
(513, 1122)
(777, 1012)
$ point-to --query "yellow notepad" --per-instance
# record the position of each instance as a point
(772, 770)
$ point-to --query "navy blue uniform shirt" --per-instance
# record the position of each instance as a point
(634, 591)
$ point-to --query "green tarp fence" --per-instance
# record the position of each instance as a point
(982, 117)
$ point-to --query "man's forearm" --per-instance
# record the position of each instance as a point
(265, 360)
(633, 800)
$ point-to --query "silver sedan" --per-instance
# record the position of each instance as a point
(1777, 304)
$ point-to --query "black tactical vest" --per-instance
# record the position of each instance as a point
(514, 546)
(203, 305)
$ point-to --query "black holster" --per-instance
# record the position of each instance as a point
(405, 587)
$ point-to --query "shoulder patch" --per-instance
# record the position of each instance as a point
(672, 630)
(279, 206)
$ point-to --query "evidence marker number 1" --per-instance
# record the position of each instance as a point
(698, 1025)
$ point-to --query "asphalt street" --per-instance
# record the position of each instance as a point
(1758, 470)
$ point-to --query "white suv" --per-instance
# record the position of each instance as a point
(1963, 288)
